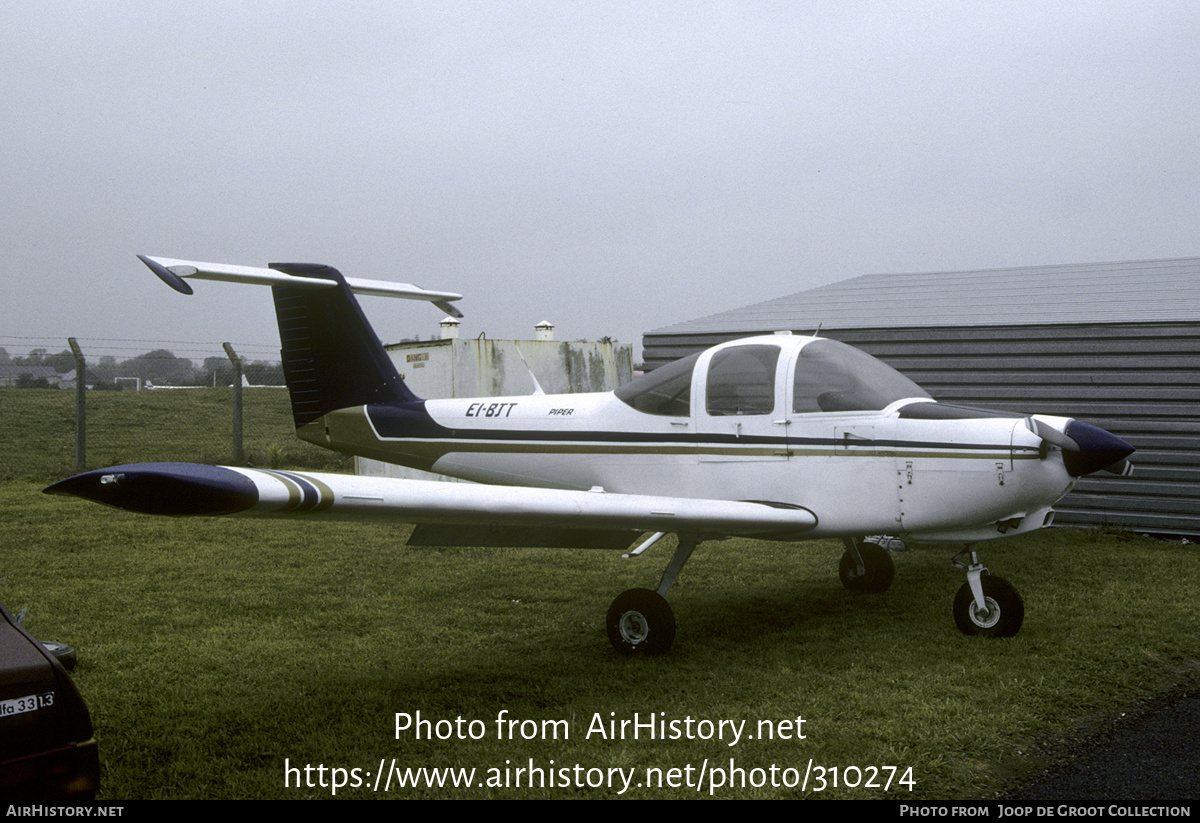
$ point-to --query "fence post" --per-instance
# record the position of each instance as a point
(239, 454)
(80, 406)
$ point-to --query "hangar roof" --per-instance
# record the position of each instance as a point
(1151, 291)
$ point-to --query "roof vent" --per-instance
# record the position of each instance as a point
(449, 328)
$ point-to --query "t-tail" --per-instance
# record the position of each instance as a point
(332, 358)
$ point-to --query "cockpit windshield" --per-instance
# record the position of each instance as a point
(831, 376)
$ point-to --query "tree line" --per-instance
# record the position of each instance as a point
(159, 367)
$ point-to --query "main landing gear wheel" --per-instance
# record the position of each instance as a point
(640, 621)
(1004, 614)
(877, 573)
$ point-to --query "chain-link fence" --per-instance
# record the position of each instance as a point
(151, 407)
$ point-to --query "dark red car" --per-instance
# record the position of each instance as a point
(47, 750)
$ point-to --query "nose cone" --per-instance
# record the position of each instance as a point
(1098, 449)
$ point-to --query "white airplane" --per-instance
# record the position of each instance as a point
(777, 437)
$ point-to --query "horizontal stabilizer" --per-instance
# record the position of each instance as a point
(175, 272)
(192, 489)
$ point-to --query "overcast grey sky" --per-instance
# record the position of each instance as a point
(611, 167)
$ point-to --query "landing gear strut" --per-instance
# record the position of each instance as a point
(986, 605)
(641, 621)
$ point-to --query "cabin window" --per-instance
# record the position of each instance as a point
(831, 376)
(665, 391)
(741, 380)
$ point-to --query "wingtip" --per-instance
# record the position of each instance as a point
(448, 308)
(163, 488)
(166, 275)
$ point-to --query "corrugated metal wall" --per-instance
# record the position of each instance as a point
(1139, 381)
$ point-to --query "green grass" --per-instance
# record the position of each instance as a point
(212, 651)
(149, 426)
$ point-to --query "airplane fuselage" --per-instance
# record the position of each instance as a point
(952, 474)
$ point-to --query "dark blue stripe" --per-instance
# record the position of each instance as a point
(310, 495)
(411, 421)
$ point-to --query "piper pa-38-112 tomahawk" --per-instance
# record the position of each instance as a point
(777, 437)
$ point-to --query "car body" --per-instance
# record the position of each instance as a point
(47, 748)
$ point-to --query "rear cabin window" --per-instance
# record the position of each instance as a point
(831, 376)
(741, 380)
(665, 391)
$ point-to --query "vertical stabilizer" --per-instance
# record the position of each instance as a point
(331, 356)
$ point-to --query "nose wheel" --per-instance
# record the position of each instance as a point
(986, 605)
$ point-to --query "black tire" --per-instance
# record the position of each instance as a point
(879, 570)
(640, 621)
(64, 653)
(1006, 609)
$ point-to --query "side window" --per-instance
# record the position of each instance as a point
(665, 391)
(741, 380)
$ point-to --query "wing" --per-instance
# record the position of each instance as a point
(193, 489)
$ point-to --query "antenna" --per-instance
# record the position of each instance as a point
(537, 388)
